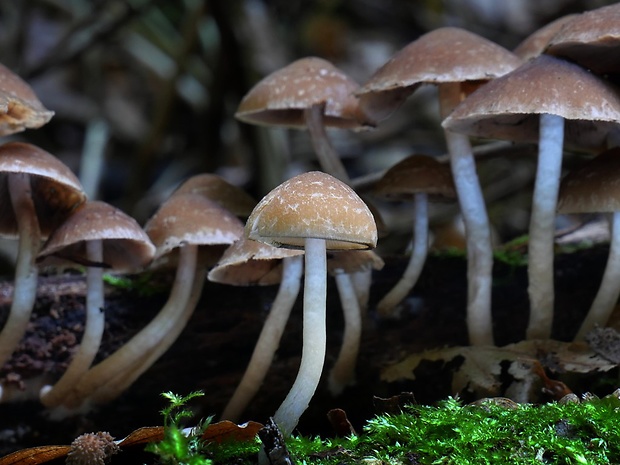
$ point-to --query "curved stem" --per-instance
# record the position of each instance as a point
(268, 340)
(314, 339)
(343, 372)
(328, 158)
(542, 227)
(387, 305)
(26, 274)
(149, 337)
(609, 290)
(93, 331)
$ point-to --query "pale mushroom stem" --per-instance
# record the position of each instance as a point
(362, 280)
(93, 331)
(314, 338)
(477, 226)
(342, 373)
(609, 290)
(268, 340)
(387, 305)
(542, 226)
(327, 156)
(149, 337)
(26, 274)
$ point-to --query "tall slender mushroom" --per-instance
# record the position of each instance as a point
(248, 262)
(37, 192)
(457, 62)
(553, 102)
(101, 236)
(181, 227)
(308, 93)
(316, 212)
(423, 178)
(594, 188)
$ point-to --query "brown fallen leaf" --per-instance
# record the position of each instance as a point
(35, 455)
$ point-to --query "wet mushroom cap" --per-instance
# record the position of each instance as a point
(509, 107)
(314, 205)
(281, 98)
(56, 191)
(19, 106)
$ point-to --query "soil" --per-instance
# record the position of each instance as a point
(212, 352)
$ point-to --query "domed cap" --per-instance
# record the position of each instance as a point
(19, 106)
(281, 98)
(591, 39)
(594, 187)
(509, 107)
(354, 261)
(444, 55)
(56, 191)
(126, 247)
(313, 205)
(536, 43)
(248, 262)
(417, 174)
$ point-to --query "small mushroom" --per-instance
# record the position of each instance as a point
(422, 178)
(316, 212)
(245, 263)
(101, 236)
(37, 192)
(308, 93)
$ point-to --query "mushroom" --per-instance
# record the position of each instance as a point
(248, 262)
(101, 236)
(190, 231)
(553, 102)
(594, 188)
(536, 43)
(344, 266)
(457, 62)
(423, 178)
(316, 212)
(308, 93)
(37, 192)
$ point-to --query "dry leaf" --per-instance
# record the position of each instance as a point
(35, 455)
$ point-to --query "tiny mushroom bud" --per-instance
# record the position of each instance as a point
(308, 93)
(316, 212)
(100, 236)
(37, 192)
(92, 449)
(422, 178)
(248, 262)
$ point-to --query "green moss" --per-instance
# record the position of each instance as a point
(450, 433)
(142, 284)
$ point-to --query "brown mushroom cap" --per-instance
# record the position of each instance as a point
(591, 39)
(191, 219)
(217, 189)
(126, 247)
(19, 106)
(444, 55)
(56, 191)
(354, 261)
(247, 262)
(594, 187)
(536, 43)
(509, 107)
(313, 205)
(281, 98)
(417, 174)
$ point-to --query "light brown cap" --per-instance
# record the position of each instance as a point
(354, 261)
(313, 205)
(445, 55)
(594, 187)
(536, 43)
(19, 106)
(281, 98)
(191, 219)
(509, 107)
(417, 174)
(591, 39)
(56, 190)
(126, 247)
(247, 262)
(217, 189)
